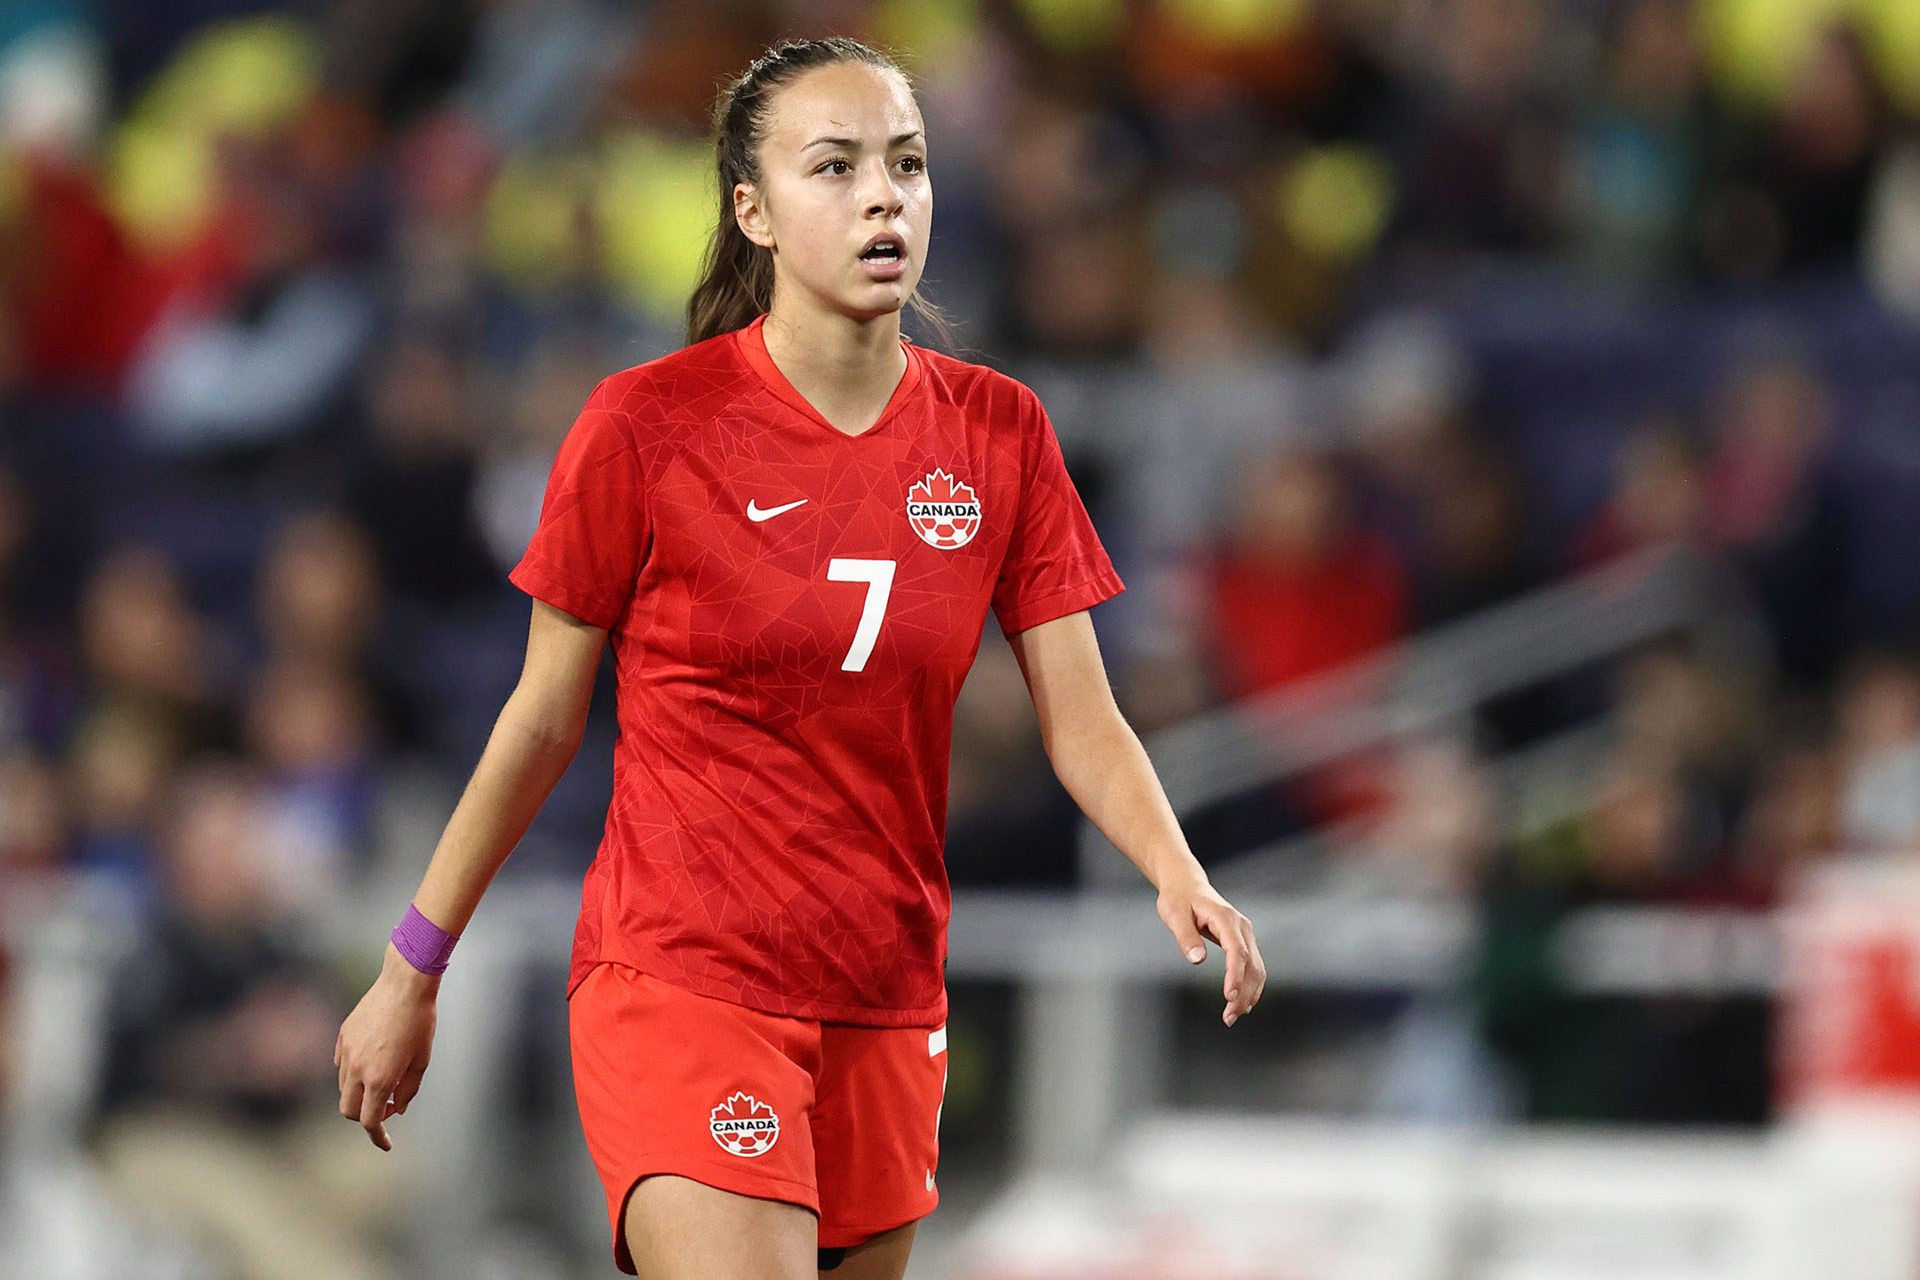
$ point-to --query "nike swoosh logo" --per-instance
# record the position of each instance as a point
(758, 513)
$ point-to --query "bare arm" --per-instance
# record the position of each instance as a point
(384, 1044)
(1099, 760)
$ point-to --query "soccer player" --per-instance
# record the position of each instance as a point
(791, 530)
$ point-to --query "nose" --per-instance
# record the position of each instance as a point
(883, 196)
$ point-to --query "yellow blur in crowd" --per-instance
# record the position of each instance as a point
(643, 187)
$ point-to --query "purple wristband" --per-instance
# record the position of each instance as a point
(423, 944)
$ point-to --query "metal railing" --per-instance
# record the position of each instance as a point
(1424, 685)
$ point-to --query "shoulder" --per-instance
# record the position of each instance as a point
(978, 388)
(674, 388)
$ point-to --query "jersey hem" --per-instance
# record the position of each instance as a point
(856, 1015)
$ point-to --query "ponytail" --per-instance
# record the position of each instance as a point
(736, 279)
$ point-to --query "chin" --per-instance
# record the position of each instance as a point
(870, 308)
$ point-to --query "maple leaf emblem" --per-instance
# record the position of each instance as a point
(744, 1126)
(943, 510)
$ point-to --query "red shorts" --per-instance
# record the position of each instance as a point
(840, 1119)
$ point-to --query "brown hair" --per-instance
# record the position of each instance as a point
(736, 282)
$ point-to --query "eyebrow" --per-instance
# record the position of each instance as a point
(852, 142)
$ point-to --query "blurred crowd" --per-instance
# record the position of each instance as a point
(1356, 317)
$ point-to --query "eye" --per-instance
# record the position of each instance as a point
(918, 163)
(837, 160)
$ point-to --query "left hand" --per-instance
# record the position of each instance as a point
(1194, 912)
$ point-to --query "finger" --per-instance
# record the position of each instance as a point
(409, 1085)
(1257, 970)
(373, 1101)
(350, 1100)
(373, 1110)
(1234, 986)
(1234, 991)
(1193, 944)
(1235, 948)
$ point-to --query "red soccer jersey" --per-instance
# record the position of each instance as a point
(792, 612)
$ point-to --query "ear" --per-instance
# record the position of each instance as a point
(750, 212)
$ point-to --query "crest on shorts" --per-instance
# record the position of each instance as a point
(744, 1126)
(945, 512)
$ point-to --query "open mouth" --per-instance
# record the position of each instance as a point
(882, 251)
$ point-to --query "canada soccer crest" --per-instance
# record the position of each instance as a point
(944, 511)
(745, 1126)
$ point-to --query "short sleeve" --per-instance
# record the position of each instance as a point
(1055, 564)
(586, 553)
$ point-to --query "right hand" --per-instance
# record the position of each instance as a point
(383, 1046)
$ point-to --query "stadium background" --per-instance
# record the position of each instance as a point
(1503, 412)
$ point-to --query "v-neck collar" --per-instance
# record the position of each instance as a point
(753, 347)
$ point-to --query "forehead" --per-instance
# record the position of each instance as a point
(845, 100)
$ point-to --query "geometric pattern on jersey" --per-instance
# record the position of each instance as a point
(786, 684)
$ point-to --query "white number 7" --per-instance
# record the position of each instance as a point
(878, 575)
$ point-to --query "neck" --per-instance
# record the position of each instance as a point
(844, 356)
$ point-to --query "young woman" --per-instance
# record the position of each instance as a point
(792, 531)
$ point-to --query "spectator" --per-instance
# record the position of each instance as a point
(144, 644)
(1696, 720)
(319, 600)
(1878, 721)
(309, 726)
(413, 491)
(1480, 153)
(1300, 588)
(1775, 506)
(1005, 826)
(1474, 516)
(1658, 501)
(1792, 823)
(318, 597)
(71, 280)
(1635, 169)
(120, 763)
(216, 1110)
(1436, 834)
(36, 679)
(555, 379)
(1433, 840)
(259, 357)
(35, 831)
(1600, 1058)
(1818, 170)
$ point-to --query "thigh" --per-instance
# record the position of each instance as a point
(876, 1129)
(679, 1229)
